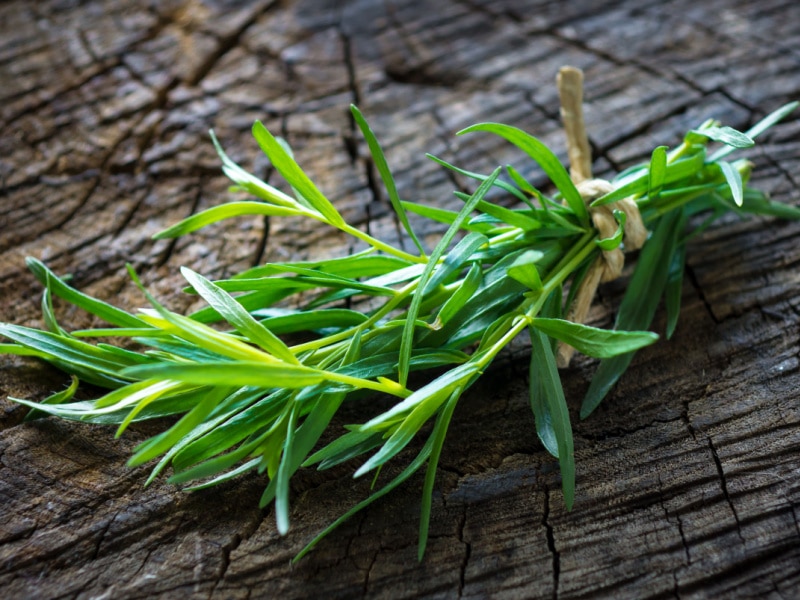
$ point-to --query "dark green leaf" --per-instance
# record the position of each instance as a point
(599, 343)
(542, 155)
(408, 331)
(639, 303)
(551, 412)
(672, 292)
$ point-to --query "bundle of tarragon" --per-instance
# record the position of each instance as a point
(254, 379)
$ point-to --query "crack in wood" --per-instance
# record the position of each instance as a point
(551, 542)
(724, 486)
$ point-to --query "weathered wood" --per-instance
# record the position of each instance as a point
(687, 474)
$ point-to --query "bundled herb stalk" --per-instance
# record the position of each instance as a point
(248, 400)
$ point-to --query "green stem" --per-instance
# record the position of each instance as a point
(379, 245)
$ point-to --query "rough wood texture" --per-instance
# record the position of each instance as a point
(687, 474)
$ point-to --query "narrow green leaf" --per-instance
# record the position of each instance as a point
(236, 315)
(88, 362)
(284, 474)
(734, 179)
(280, 321)
(408, 331)
(551, 412)
(456, 258)
(57, 286)
(222, 212)
(456, 302)
(613, 242)
(478, 177)
(379, 160)
(526, 186)
(294, 175)
(598, 343)
(638, 184)
(422, 410)
(61, 397)
(639, 303)
(657, 172)
(726, 135)
(344, 448)
(758, 203)
(17, 350)
(438, 436)
(239, 373)
(248, 182)
(524, 270)
(207, 400)
(442, 215)
(360, 264)
(542, 155)
(672, 291)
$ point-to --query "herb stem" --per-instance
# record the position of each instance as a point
(379, 245)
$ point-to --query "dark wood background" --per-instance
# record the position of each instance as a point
(687, 474)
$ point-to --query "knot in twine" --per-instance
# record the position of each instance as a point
(608, 266)
(604, 221)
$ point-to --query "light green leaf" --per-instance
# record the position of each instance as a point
(239, 373)
(657, 172)
(726, 135)
(734, 179)
(294, 175)
(236, 315)
(222, 212)
(56, 285)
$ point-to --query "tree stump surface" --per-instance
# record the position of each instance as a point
(688, 472)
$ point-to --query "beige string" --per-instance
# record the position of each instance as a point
(608, 265)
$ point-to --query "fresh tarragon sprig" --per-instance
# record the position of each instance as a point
(249, 398)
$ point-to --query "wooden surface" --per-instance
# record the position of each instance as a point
(687, 474)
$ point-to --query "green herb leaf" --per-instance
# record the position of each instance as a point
(294, 175)
(239, 373)
(726, 135)
(413, 310)
(591, 341)
(542, 155)
(734, 179)
(386, 175)
(639, 303)
(657, 172)
(236, 315)
(550, 411)
(222, 212)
